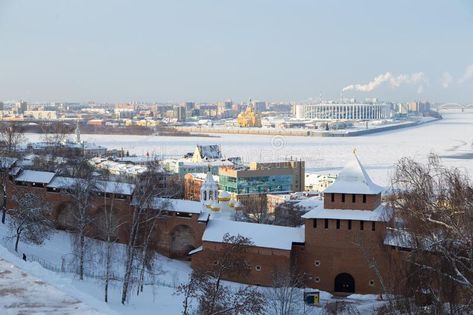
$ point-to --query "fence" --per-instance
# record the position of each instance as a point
(71, 268)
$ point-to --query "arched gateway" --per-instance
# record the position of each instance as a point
(182, 241)
(344, 282)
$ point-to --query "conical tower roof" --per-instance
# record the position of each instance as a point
(353, 179)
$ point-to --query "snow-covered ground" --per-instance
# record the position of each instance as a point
(70, 295)
(21, 293)
(451, 137)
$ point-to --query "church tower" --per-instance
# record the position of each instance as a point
(208, 190)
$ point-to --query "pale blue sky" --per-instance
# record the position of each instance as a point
(208, 50)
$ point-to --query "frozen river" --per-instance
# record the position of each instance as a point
(451, 138)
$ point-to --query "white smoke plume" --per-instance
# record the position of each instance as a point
(467, 75)
(394, 81)
(446, 79)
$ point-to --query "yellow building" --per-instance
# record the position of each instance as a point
(249, 118)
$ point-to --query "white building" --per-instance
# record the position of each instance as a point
(343, 111)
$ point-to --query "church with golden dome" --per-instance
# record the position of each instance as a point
(249, 118)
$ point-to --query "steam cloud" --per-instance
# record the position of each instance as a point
(467, 75)
(394, 81)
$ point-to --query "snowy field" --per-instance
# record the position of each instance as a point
(451, 138)
(29, 283)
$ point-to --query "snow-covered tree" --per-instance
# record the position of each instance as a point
(433, 208)
(30, 219)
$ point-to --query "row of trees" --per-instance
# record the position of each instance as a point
(88, 214)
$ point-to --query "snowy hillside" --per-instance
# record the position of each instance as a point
(27, 288)
(29, 284)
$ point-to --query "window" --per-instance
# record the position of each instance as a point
(361, 225)
(317, 279)
(353, 198)
(326, 223)
(338, 224)
(332, 197)
(373, 226)
(371, 283)
(349, 224)
(317, 263)
(364, 198)
(315, 223)
(343, 197)
(258, 268)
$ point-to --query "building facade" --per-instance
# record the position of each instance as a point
(263, 178)
(345, 111)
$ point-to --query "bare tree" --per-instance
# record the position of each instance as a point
(11, 135)
(189, 290)
(30, 219)
(434, 221)
(141, 225)
(147, 254)
(212, 295)
(288, 214)
(255, 210)
(285, 294)
(108, 223)
(81, 191)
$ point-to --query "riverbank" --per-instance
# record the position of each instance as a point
(305, 132)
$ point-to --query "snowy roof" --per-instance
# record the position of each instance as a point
(35, 177)
(309, 203)
(203, 176)
(7, 162)
(203, 217)
(61, 182)
(353, 179)
(175, 205)
(115, 187)
(198, 249)
(262, 235)
(14, 171)
(102, 186)
(381, 213)
(399, 238)
(210, 152)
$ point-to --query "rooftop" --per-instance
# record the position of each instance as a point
(262, 235)
(353, 179)
(175, 205)
(35, 177)
(382, 214)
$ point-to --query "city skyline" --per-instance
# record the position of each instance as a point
(157, 51)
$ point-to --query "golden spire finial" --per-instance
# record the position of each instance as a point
(354, 151)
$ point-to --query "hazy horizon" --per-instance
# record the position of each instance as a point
(204, 51)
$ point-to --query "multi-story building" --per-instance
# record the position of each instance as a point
(21, 107)
(263, 178)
